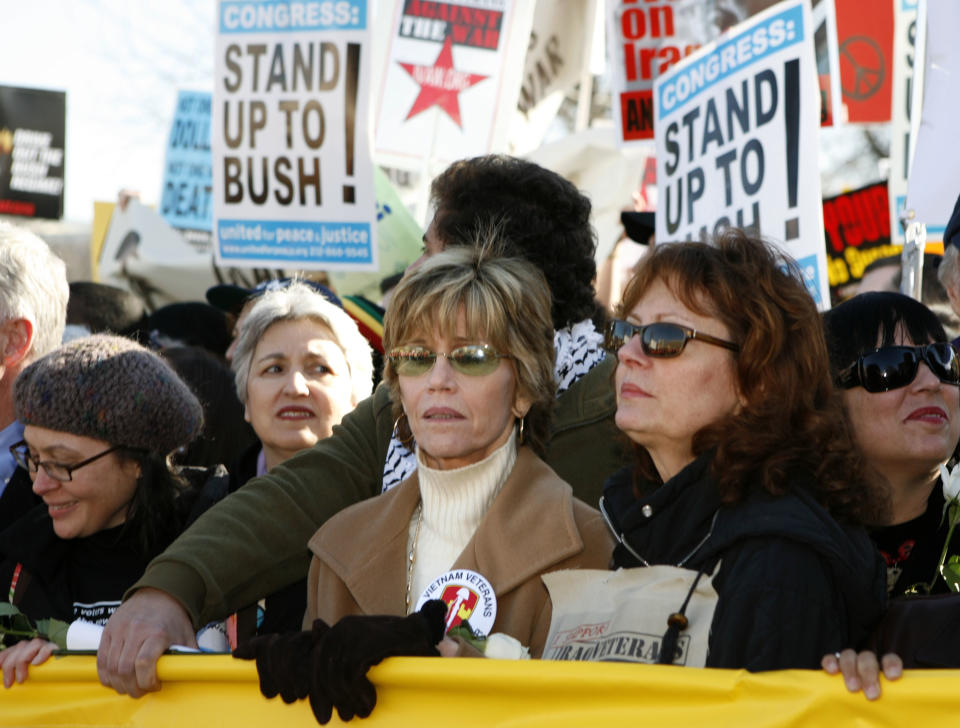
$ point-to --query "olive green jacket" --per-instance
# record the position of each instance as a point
(254, 542)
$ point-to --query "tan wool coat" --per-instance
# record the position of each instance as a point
(534, 526)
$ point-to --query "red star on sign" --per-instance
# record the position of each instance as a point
(440, 84)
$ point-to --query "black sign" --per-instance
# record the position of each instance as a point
(32, 133)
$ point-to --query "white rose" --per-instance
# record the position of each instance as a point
(502, 646)
(951, 483)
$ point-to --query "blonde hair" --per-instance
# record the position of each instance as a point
(505, 303)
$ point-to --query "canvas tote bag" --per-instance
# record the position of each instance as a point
(622, 615)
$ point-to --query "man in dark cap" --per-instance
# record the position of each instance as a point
(212, 570)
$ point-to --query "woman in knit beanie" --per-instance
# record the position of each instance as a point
(101, 416)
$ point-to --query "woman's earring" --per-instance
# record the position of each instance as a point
(396, 431)
(520, 436)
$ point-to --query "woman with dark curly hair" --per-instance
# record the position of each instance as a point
(745, 470)
(546, 220)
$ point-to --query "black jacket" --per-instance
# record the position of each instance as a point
(793, 584)
(912, 549)
(86, 577)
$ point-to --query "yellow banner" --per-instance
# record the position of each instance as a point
(215, 690)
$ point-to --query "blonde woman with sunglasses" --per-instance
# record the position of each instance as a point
(745, 481)
(469, 345)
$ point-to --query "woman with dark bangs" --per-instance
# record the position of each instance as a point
(746, 476)
(900, 383)
(899, 378)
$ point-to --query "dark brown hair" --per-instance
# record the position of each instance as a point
(791, 421)
(543, 218)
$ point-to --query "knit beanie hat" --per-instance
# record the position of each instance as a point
(109, 388)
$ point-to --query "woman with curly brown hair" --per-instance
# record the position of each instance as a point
(745, 474)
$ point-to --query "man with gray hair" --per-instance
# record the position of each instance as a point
(33, 313)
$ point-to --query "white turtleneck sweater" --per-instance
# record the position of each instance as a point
(454, 502)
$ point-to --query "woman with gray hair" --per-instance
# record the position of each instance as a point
(300, 365)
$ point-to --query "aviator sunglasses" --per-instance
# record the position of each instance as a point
(892, 367)
(661, 339)
(475, 360)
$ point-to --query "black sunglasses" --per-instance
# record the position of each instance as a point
(892, 367)
(661, 339)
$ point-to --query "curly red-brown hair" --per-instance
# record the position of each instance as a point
(791, 421)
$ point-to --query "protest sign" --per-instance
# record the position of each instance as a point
(642, 42)
(292, 175)
(555, 58)
(142, 253)
(186, 199)
(32, 133)
(451, 79)
(737, 127)
(699, 22)
(399, 240)
(934, 183)
(137, 249)
(865, 47)
(857, 230)
(904, 54)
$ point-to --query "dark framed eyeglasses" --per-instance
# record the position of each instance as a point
(661, 339)
(57, 471)
(892, 367)
(475, 360)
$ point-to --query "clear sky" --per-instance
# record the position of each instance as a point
(121, 63)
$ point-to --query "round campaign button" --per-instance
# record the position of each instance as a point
(468, 596)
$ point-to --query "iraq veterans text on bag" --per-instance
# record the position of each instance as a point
(621, 616)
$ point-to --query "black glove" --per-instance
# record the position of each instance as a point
(355, 644)
(284, 661)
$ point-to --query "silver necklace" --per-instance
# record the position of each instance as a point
(412, 554)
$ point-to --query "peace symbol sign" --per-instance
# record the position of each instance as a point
(863, 68)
